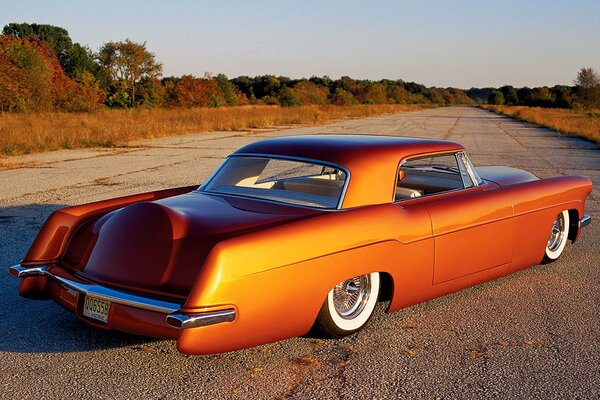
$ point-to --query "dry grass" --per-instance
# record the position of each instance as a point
(583, 124)
(30, 133)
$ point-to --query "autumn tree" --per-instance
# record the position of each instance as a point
(588, 87)
(74, 58)
(32, 80)
(399, 94)
(27, 81)
(190, 91)
(375, 94)
(310, 93)
(127, 62)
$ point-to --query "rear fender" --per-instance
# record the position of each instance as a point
(278, 278)
(53, 239)
(536, 205)
(284, 302)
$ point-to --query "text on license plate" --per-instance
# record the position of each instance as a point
(96, 308)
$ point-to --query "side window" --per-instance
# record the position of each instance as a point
(428, 175)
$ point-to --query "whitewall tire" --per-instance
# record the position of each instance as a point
(349, 305)
(558, 237)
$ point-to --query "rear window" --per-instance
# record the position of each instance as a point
(294, 182)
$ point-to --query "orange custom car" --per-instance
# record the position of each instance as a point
(299, 232)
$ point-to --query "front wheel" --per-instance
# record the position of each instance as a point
(349, 305)
(558, 237)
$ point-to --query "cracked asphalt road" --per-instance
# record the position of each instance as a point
(534, 334)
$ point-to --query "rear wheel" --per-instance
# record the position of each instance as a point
(558, 237)
(349, 305)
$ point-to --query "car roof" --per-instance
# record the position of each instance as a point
(342, 149)
(371, 160)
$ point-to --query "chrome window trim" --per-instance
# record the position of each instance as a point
(471, 169)
(462, 168)
(423, 155)
(202, 187)
(440, 193)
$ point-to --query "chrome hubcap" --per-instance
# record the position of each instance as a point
(557, 233)
(351, 296)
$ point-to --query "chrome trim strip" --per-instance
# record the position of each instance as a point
(586, 220)
(184, 321)
(23, 272)
(101, 292)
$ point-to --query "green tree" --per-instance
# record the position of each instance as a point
(343, 97)
(496, 97)
(510, 94)
(267, 85)
(287, 97)
(57, 37)
(541, 97)
(227, 90)
(79, 59)
(128, 62)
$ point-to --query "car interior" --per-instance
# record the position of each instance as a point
(422, 177)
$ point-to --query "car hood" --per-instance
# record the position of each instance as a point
(160, 246)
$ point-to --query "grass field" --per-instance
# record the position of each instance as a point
(585, 124)
(32, 133)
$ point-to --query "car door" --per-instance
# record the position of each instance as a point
(471, 220)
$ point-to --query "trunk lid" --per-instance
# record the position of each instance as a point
(505, 176)
(160, 246)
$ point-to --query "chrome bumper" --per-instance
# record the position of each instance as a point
(174, 318)
(585, 221)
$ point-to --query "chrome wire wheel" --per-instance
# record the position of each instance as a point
(557, 233)
(351, 296)
(349, 305)
(558, 237)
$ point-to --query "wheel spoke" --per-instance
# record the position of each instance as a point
(557, 233)
(350, 296)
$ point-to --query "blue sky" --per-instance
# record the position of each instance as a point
(440, 43)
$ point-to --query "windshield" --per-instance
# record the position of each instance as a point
(288, 181)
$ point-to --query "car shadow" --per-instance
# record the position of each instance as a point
(33, 326)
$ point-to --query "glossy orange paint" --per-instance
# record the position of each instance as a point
(274, 264)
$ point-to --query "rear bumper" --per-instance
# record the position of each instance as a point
(130, 311)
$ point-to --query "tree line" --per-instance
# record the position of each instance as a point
(584, 94)
(42, 69)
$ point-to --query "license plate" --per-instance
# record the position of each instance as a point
(96, 308)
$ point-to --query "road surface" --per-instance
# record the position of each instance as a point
(534, 334)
